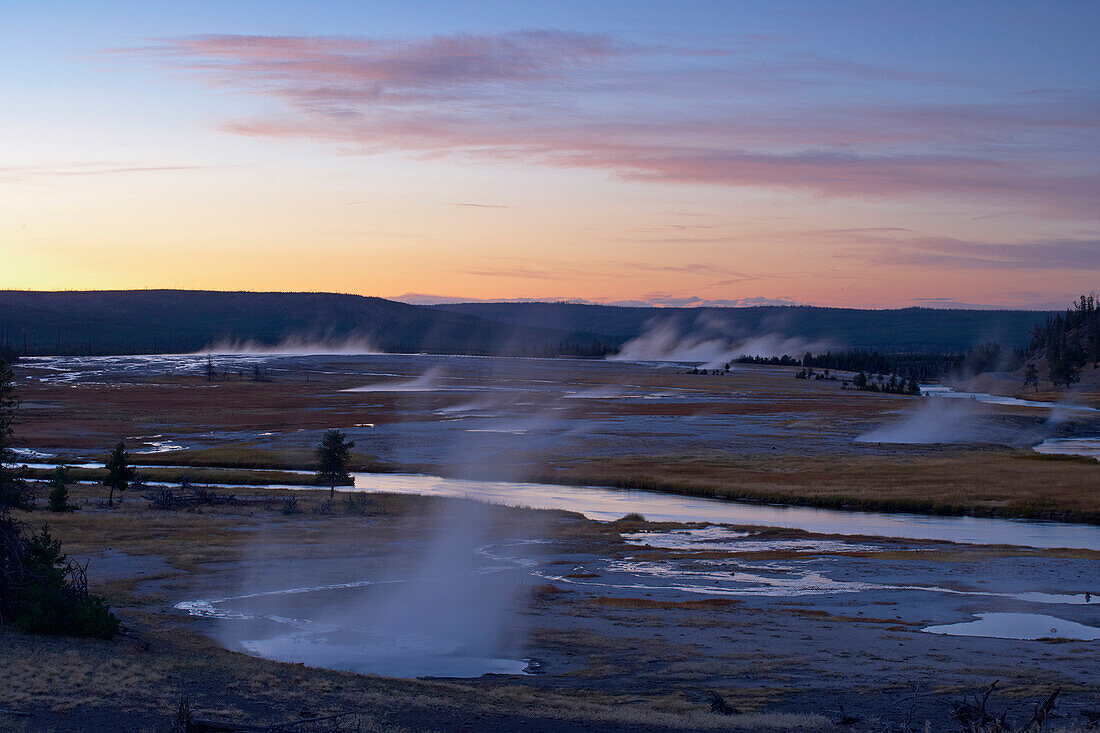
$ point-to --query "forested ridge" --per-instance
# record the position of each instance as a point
(1068, 342)
(183, 321)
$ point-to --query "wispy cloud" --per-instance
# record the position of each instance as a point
(660, 113)
(1020, 300)
(527, 268)
(531, 273)
(696, 301)
(30, 173)
(647, 301)
(949, 252)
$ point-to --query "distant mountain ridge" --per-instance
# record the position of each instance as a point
(185, 321)
(899, 330)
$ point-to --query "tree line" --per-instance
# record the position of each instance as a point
(1069, 341)
(593, 349)
(923, 367)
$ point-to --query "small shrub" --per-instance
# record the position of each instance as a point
(188, 497)
(163, 498)
(290, 505)
(14, 492)
(632, 517)
(44, 591)
(184, 719)
(356, 505)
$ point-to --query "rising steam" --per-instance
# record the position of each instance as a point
(430, 381)
(295, 346)
(668, 342)
(447, 605)
(933, 421)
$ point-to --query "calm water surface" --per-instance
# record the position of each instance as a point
(607, 504)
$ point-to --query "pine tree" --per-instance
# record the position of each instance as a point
(333, 454)
(59, 491)
(119, 472)
(1031, 376)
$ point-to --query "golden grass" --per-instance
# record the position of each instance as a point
(246, 455)
(548, 590)
(196, 475)
(984, 482)
(987, 483)
(809, 613)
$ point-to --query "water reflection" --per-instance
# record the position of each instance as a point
(608, 504)
(1025, 626)
(1089, 447)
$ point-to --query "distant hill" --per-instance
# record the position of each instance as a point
(184, 321)
(901, 330)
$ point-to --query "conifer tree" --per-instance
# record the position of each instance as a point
(59, 491)
(333, 454)
(119, 472)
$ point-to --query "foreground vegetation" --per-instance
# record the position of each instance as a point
(42, 591)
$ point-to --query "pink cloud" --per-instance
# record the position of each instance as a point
(319, 69)
(648, 113)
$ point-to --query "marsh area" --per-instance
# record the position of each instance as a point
(485, 541)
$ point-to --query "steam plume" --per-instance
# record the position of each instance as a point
(429, 381)
(934, 421)
(294, 346)
(666, 342)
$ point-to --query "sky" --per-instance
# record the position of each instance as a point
(861, 154)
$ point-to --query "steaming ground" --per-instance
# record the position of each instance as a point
(443, 410)
(623, 623)
(709, 343)
(445, 605)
